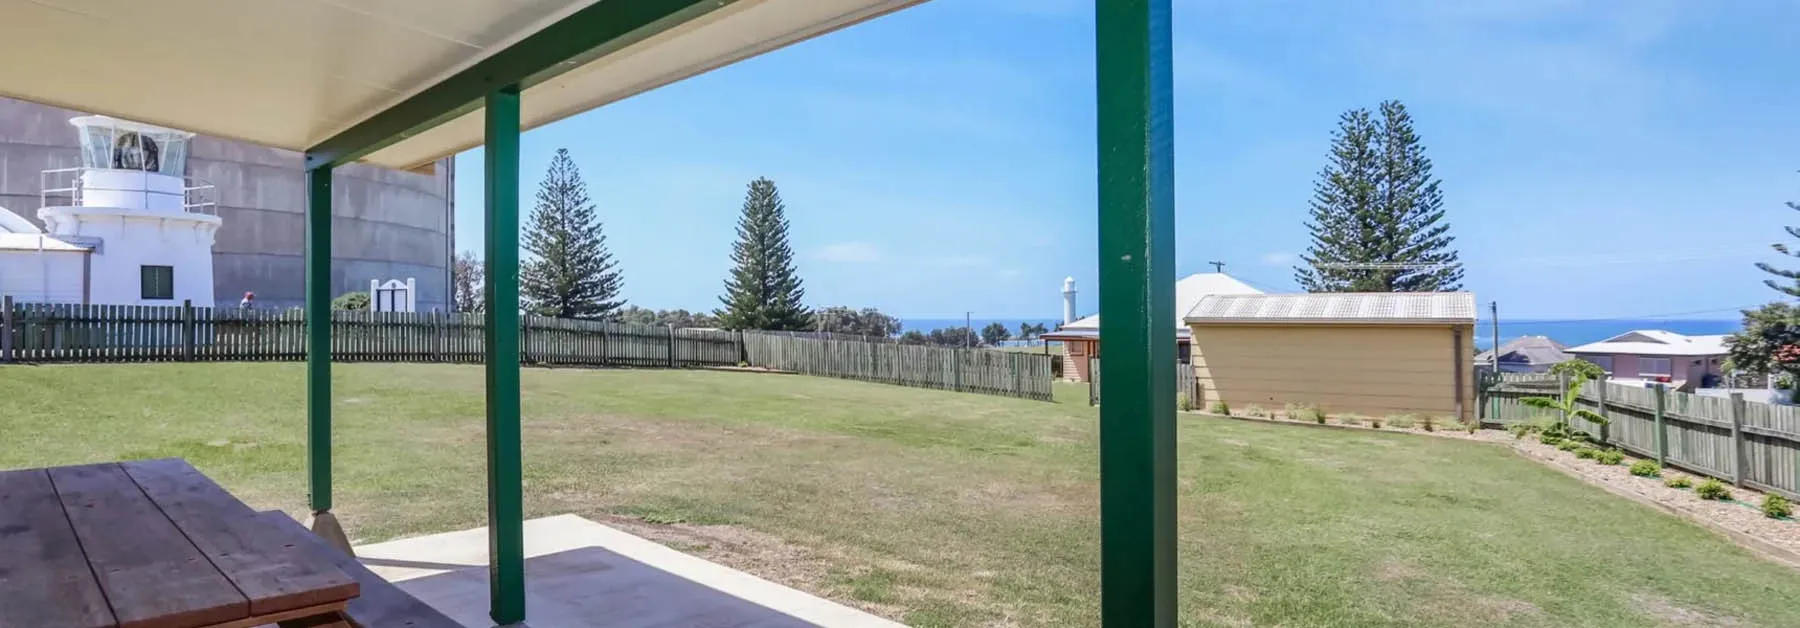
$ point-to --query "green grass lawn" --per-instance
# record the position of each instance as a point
(934, 508)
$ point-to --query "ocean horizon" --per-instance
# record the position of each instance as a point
(1570, 332)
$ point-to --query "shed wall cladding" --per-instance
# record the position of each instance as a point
(1362, 369)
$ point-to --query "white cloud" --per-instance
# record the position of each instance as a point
(1277, 258)
(850, 253)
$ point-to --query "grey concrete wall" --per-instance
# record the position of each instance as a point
(386, 224)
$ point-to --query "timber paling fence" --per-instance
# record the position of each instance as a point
(1186, 384)
(1744, 442)
(44, 333)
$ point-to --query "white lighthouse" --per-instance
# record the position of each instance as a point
(1068, 300)
(124, 228)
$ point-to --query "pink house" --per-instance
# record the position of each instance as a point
(1684, 362)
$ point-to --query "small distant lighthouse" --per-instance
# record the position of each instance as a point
(1068, 300)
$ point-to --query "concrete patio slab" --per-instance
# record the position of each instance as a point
(580, 573)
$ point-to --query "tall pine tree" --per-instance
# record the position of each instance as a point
(1791, 287)
(763, 291)
(570, 274)
(1377, 213)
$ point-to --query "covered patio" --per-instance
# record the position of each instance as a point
(402, 83)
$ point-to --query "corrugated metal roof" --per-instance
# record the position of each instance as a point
(1656, 342)
(1337, 307)
(1188, 292)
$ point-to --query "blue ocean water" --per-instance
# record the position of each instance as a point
(1568, 332)
(1580, 332)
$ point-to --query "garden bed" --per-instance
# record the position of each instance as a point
(1738, 518)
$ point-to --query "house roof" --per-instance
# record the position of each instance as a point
(1188, 292)
(1655, 342)
(294, 73)
(1529, 349)
(1389, 308)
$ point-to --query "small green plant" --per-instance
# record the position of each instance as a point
(1587, 453)
(1521, 430)
(1679, 481)
(1776, 507)
(1646, 468)
(1610, 457)
(1217, 407)
(1350, 419)
(1375, 422)
(1552, 439)
(1712, 488)
(1256, 411)
(1472, 426)
(1565, 407)
(1568, 445)
(1402, 421)
(1428, 423)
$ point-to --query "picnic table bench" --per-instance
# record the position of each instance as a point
(157, 544)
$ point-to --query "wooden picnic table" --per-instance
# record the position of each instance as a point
(152, 544)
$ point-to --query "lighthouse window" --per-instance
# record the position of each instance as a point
(133, 151)
(158, 282)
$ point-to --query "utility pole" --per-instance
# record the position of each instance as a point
(968, 330)
(1218, 267)
(1494, 317)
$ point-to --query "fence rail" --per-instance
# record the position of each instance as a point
(32, 332)
(1747, 443)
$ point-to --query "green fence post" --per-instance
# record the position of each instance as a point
(1737, 439)
(1662, 434)
(6, 328)
(187, 330)
(1133, 63)
(506, 515)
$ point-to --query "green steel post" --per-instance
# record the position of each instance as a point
(1137, 281)
(506, 514)
(1662, 432)
(318, 338)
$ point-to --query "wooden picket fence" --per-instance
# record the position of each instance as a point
(44, 333)
(1747, 443)
(1004, 373)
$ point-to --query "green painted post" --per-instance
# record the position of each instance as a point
(1137, 263)
(318, 337)
(506, 513)
(1662, 434)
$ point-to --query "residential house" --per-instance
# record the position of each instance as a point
(1655, 355)
(1081, 338)
(1525, 354)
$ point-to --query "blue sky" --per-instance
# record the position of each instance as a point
(1599, 158)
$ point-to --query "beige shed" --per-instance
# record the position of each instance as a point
(1374, 354)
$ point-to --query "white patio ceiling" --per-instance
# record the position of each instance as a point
(293, 73)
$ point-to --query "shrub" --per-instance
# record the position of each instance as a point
(1217, 407)
(1472, 426)
(1568, 445)
(1519, 430)
(1552, 439)
(1610, 457)
(1401, 421)
(1712, 488)
(1679, 481)
(1375, 422)
(1646, 468)
(1256, 411)
(1776, 507)
(351, 301)
(1587, 453)
(1305, 412)
(1428, 423)
(1350, 419)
